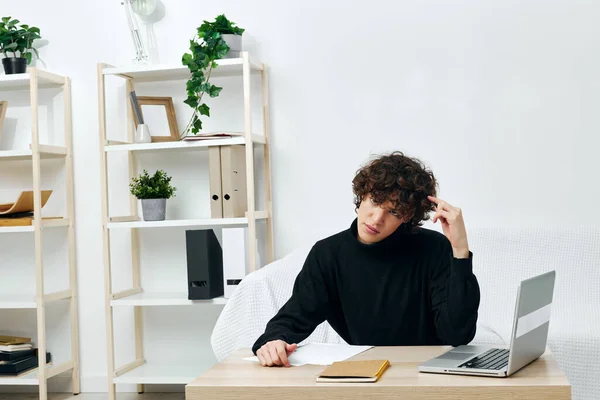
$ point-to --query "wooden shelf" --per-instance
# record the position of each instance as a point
(46, 223)
(200, 223)
(46, 152)
(181, 145)
(169, 72)
(30, 378)
(14, 301)
(52, 369)
(22, 81)
(149, 373)
(163, 299)
(9, 301)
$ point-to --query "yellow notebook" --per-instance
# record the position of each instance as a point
(354, 371)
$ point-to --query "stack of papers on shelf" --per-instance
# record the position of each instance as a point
(211, 135)
(18, 356)
(321, 353)
(14, 343)
(15, 347)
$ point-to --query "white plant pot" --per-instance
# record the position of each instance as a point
(235, 45)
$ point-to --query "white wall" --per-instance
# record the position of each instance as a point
(499, 97)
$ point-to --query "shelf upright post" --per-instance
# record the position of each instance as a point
(135, 248)
(37, 224)
(75, 376)
(249, 147)
(267, 162)
(106, 236)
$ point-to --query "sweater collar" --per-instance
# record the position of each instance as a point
(389, 242)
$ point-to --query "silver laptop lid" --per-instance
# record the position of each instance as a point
(531, 320)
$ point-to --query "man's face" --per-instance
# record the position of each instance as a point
(376, 221)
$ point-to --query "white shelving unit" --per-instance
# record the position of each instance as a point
(139, 371)
(32, 81)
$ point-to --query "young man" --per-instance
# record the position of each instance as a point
(385, 280)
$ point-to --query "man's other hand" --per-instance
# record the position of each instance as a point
(275, 353)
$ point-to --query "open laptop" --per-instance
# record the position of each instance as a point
(527, 342)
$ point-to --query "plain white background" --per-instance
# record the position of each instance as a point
(498, 97)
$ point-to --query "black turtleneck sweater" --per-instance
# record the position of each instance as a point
(405, 290)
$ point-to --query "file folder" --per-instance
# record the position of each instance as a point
(236, 258)
(214, 174)
(233, 181)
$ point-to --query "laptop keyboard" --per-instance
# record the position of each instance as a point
(491, 359)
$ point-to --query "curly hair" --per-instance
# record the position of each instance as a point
(402, 180)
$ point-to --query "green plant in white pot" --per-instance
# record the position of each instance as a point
(17, 40)
(153, 191)
(213, 41)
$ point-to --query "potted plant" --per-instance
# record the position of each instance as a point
(18, 40)
(213, 40)
(153, 191)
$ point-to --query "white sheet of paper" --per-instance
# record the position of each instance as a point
(321, 353)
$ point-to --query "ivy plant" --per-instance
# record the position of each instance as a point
(157, 186)
(206, 47)
(18, 39)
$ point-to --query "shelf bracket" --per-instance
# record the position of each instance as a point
(129, 367)
(126, 293)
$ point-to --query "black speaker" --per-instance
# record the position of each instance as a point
(204, 264)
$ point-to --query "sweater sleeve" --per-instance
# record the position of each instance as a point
(304, 310)
(455, 299)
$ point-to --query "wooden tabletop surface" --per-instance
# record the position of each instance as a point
(236, 378)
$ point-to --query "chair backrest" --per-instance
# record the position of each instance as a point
(256, 300)
(505, 256)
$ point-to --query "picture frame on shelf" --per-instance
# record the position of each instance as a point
(159, 114)
(3, 107)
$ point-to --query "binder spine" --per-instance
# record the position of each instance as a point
(214, 173)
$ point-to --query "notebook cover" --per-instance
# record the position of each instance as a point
(354, 371)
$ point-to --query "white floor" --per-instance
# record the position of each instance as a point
(96, 396)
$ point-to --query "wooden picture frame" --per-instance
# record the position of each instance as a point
(3, 107)
(166, 102)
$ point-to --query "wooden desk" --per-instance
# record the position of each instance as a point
(238, 379)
